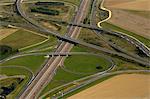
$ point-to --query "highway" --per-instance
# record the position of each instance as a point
(46, 74)
(71, 40)
(68, 39)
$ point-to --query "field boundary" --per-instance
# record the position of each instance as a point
(33, 45)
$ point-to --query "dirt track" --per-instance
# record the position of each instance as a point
(126, 86)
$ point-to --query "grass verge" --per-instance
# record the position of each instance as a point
(116, 28)
(31, 62)
(87, 64)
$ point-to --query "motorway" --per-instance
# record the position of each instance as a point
(47, 72)
(71, 40)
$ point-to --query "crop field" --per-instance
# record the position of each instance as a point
(145, 14)
(131, 22)
(115, 2)
(136, 22)
(21, 38)
(6, 32)
(140, 5)
(126, 88)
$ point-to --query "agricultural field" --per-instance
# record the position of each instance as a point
(21, 38)
(145, 14)
(140, 5)
(6, 32)
(128, 20)
(126, 88)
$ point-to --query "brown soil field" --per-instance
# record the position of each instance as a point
(6, 32)
(131, 22)
(125, 19)
(125, 86)
(109, 3)
(140, 5)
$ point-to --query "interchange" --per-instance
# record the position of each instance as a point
(64, 47)
(47, 72)
(71, 40)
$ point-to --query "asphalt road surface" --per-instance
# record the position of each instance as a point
(46, 74)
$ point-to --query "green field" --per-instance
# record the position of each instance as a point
(51, 43)
(63, 77)
(79, 49)
(31, 62)
(21, 38)
(116, 28)
(87, 64)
